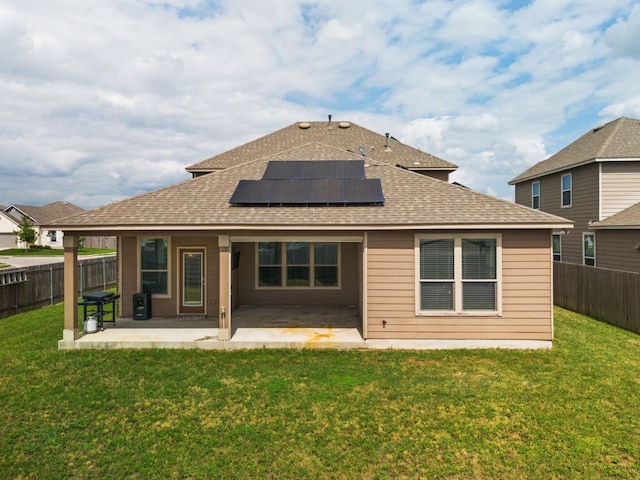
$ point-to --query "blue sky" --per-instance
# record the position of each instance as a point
(104, 100)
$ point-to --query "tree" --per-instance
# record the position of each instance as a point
(26, 233)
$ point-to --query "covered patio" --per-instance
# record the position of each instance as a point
(252, 327)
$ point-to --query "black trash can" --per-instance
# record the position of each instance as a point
(142, 306)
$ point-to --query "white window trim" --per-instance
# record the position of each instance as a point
(534, 196)
(562, 190)
(457, 311)
(585, 234)
(559, 235)
(139, 262)
(312, 265)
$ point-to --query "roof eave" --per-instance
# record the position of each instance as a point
(332, 227)
(517, 180)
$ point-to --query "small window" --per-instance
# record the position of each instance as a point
(154, 265)
(566, 190)
(535, 195)
(53, 236)
(589, 249)
(458, 274)
(298, 264)
(557, 247)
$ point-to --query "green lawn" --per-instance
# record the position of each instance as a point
(51, 252)
(570, 412)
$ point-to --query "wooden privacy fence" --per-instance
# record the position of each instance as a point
(23, 289)
(612, 296)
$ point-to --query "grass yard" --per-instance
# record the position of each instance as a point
(571, 412)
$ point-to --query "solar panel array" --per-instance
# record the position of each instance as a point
(304, 183)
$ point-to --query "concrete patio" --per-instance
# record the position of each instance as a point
(266, 327)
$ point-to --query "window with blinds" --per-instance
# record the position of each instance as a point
(458, 274)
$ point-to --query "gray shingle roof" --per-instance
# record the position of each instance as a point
(614, 140)
(411, 200)
(50, 212)
(346, 137)
(628, 218)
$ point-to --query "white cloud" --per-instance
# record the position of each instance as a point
(138, 90)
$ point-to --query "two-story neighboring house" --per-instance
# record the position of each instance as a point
(589, 182)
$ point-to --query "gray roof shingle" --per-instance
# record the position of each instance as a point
(629, 218)
(615, 140)
(344, 137)
(411, 200)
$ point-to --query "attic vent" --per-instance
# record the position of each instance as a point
(599, 127)
(344, 124)
(304, 125)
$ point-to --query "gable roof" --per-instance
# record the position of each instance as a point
(619, 139)
(412, 201)
(627, 219)
(45, 214)
(344, 137)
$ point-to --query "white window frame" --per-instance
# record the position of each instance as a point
(457, 263)
(559, 254)
(168, 269)
(584, 256)
(534, 196)
(283, 266)
(562, 190)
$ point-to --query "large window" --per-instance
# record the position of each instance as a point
(589, 249)
(458, 274)
(298, 264)
(557, 247)
(566, 182)
(154, 265)
(535, 195)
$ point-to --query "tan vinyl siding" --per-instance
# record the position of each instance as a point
(526, 292)
(620, 186)
(167, 306)
(347, 294)
(616, 249)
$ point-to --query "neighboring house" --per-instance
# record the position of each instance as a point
(314, 221)
(591, 182)
(8, 225)
(41, 216)
(618, 239)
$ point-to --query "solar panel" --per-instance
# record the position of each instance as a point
(316, 169)
(252, 192)
(365, 190)
(289, 192)
(348, 169)
(310, 169)
(328, 191)
(317, 182)
(280, 170)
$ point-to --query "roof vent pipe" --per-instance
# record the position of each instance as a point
(329, 124)
(386, 143)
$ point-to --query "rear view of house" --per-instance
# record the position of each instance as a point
(331, 215)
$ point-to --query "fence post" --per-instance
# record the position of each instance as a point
(51, 283)
(104, 273)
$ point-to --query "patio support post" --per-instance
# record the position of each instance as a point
(224, 294)
(70, 332)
